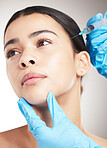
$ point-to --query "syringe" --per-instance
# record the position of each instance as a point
(93, 27)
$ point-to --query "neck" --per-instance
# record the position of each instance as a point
(70, 104)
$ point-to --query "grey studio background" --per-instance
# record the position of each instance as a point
(94, 97)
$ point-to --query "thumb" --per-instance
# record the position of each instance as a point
(95, 18)
(32, 118)
(56, 112)
(105, 15)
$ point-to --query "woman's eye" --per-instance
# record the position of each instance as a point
(11, 53)
(43, 43)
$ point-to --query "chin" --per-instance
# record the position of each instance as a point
(36, 97)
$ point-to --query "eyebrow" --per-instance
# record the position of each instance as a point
(36, 33)
(12, 41)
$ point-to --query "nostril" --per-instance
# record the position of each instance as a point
(32, 62)
(23, 65)
(28, 64)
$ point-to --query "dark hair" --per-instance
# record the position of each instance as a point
(67, 23)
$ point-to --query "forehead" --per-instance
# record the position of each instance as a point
(30, 23)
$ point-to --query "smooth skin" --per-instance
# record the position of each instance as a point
(53, 56)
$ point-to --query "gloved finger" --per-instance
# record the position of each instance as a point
(98, 56)
(99, 59)
(105, 15)
(100, 33)
(56, 112)
(95, 42)
(32, 118)
(95, 18)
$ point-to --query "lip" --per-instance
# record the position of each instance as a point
(32, 78)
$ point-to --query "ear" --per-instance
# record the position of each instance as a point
(82, 63)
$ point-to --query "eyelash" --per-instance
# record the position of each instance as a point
(43, 40)
(11, 52)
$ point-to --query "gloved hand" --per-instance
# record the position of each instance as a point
(97, 45)
(63, 134)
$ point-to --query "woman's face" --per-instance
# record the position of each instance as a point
(39, 58)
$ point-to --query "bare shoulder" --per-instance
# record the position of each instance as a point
(100, 141)
(13, 138)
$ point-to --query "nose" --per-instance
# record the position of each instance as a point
(27, 61)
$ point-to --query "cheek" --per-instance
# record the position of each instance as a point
(9, 71)
(12, 73)
(62, 71)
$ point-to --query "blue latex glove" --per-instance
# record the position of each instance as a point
(63, 134)
(97, 45)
